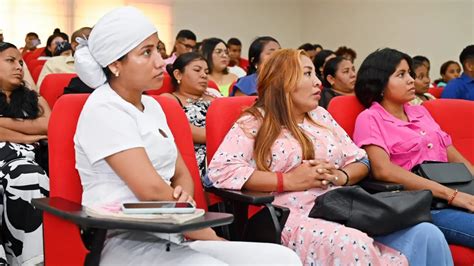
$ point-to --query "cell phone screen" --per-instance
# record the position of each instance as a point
(155, 205)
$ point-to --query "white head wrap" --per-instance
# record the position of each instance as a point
(114, 35)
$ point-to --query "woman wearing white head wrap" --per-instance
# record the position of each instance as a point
(126, 152)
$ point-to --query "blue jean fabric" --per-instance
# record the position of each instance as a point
(422, 244)
(456, 225)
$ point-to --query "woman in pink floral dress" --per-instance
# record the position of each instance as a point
(288, 145)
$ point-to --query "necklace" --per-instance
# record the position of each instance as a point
(190, 99)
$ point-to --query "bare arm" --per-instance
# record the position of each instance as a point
(17, 137)
(356, 172)
(38, 126)
(182, 177)
(455, 157)
(136, 170)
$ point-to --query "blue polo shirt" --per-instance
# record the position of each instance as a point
(247, 85)
(460, 88)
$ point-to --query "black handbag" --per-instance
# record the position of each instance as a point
(452, 175)
(375, 214)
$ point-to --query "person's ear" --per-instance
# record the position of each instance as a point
(470, 65)
(177, 75)
(331, 79)
(115, 68)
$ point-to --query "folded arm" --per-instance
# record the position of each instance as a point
(38, 126)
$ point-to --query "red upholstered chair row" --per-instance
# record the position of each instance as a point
(53, 86)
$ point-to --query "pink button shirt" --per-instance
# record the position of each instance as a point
(407, 143)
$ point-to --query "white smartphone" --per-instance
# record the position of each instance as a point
(150, 207)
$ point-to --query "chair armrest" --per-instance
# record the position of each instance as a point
(245, 196)
(372, 185)
(75, 213)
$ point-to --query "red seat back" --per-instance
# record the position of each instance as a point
(436, 91)
(34, 63)
(222, 114)
(33, 55)
(167, 86)
(456, 118)
(62, 240)
(345, 109)
(53, 86)
(211, 84)
(179, 125)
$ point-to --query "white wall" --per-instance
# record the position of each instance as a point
(438, 29)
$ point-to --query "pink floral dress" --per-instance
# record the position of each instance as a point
(316, 241)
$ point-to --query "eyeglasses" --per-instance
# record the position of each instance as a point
(188, 46)
(219, 51)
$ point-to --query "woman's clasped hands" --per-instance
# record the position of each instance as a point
(314, 173)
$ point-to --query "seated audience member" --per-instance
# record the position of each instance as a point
(82, 33)
(286, 144)
(397, 136)
(62, 62)
(31, 41)
(217, 55)
(137, 159)
(422, 83)
(24, 120)
(185, 42)
(449, 70)
(347, 53)
(235, 50)
(318, 48)
(51, 44)
(260, 49)
(309, 49)
(320, 60)
(339, 79)
(189, 78)
(162, 50)
(463, 87)
(76, 85)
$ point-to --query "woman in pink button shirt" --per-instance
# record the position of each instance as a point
(398, 136)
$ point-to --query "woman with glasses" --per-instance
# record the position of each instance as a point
(217, 55)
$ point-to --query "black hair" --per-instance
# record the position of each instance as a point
(318, 61)
(23, 102)
(466, 54)
(207, 49)
(330, 68)
(234, 41)
(316, 46)
(186, 34)
(255, 50)
(421, 58)
(34, 34)
(307, 47)
(180, 64)
(374, 74)
(416, 63)
(343, 50)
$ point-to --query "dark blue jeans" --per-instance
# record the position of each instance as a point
(456, 225)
